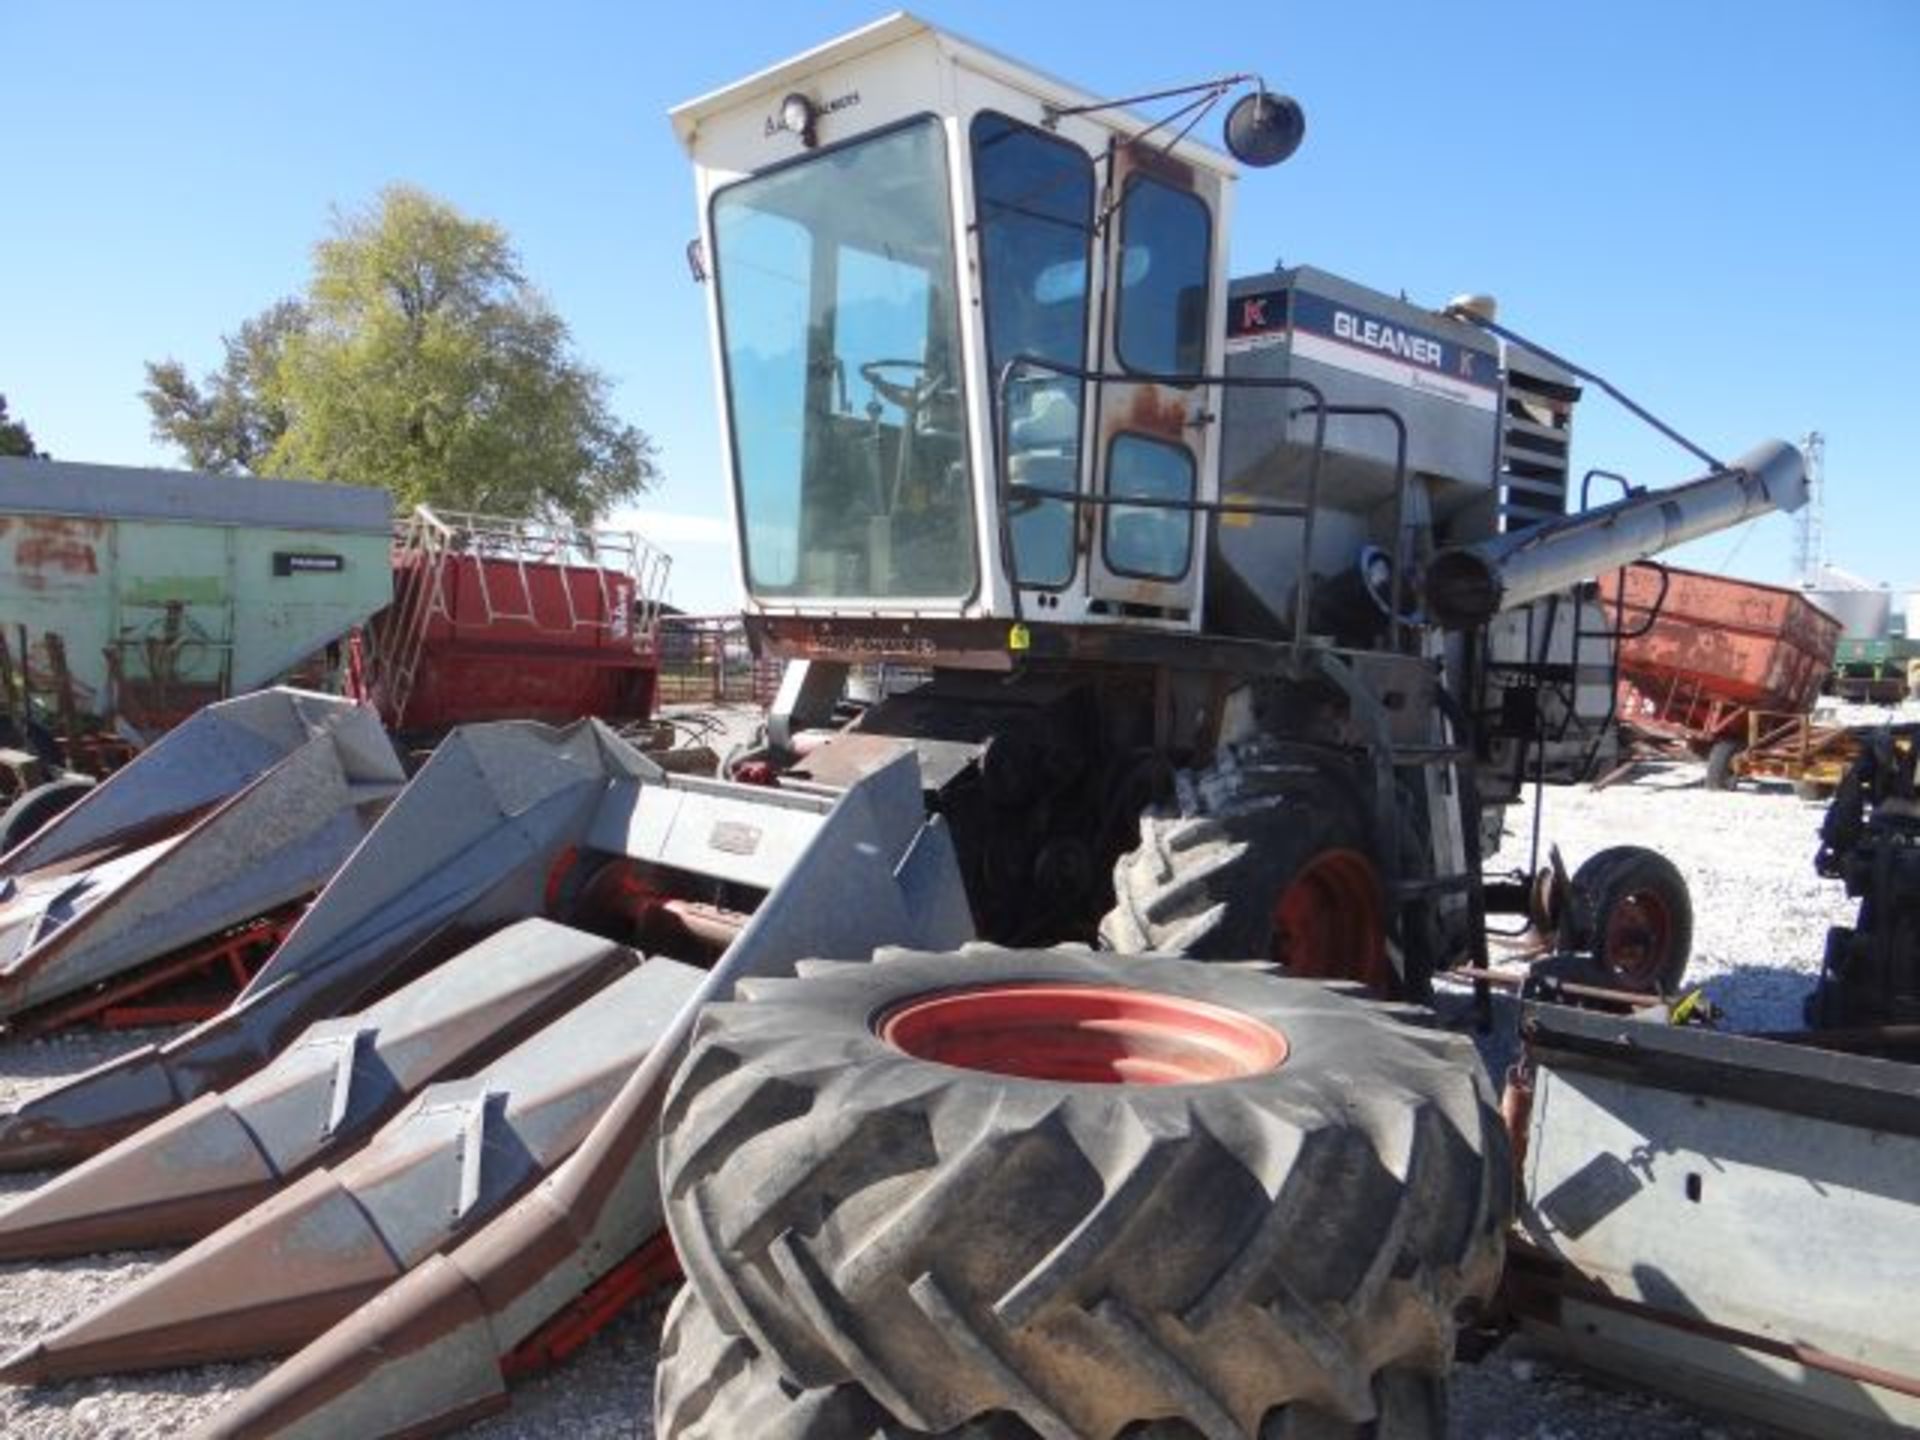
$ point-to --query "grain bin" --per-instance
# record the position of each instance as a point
(159, 591)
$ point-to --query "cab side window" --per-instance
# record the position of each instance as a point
(1166, 236)
(1034, 197)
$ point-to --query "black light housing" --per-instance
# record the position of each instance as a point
(1264, 128)
(798, 115)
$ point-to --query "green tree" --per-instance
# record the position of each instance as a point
(233, 419)
(420, 359)
(15, 438)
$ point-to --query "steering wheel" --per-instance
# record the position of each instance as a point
(910, 398)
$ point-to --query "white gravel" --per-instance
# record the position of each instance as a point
(1761, 917)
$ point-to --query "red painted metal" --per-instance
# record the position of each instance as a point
(562, 645)
(1716, 649)
(1639, 939)
(1091, 1034)
(194, 983)
(652, 1267)
(617, 895)
(1328, 923)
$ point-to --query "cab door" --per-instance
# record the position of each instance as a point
(1154, 438)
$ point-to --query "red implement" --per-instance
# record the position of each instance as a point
(1714, 648)
(183, 988)
(496, 619)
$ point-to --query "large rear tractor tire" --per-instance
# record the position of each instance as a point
(1265, 854)
(710, 1385)
(1638, 918)
(1087, 1190)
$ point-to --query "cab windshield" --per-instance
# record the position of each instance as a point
(840, 335)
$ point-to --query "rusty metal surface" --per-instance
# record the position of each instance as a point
(462, 1151)
(465, 848)
(147, 593)
(278, 839)
(428, 1355)
(208, 1162)
(1736, 640)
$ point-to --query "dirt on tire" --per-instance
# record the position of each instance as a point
(958, 1241)
(710, 1385)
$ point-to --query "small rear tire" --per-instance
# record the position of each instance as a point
(1638, 918)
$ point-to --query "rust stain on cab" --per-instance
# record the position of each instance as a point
(1155, 411)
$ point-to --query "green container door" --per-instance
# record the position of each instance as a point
(173, 624)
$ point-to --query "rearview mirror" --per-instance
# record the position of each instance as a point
(1263, 128)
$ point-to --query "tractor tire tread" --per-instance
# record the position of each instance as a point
(710, 1385)
(957, 1243)
(1176, 893)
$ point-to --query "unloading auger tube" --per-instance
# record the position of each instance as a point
(1468, 584)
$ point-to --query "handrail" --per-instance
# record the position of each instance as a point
(1305, 511)
(1008, 488)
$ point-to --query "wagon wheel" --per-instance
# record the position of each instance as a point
(1637, 918)
(1720, 772)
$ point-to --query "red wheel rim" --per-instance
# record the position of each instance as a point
(1329, 922)
(1088, 1034)
(1638, 940)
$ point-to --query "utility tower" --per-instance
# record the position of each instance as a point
(1809, 536)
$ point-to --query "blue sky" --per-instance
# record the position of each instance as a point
(1714, 204)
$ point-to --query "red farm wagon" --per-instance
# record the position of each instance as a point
(1714, 665)
(496, 619)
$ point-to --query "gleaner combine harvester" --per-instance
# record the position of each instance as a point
(950, 1050)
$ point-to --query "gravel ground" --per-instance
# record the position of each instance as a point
(1761, 917)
